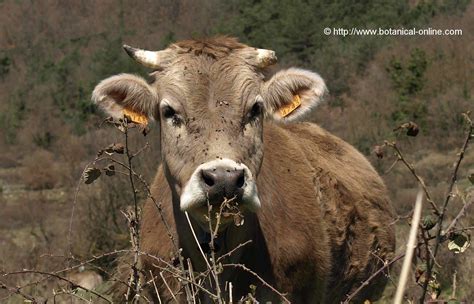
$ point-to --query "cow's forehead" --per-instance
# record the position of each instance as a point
(200, 79)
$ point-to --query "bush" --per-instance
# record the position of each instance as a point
(40, 171)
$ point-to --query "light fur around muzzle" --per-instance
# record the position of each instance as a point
(194, 195)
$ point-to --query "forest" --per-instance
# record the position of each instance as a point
(403, 101)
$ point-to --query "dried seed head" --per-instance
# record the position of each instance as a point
(379, 151)
(91, 174)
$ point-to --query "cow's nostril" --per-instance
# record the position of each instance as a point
(240, 180)
(222, 182)
(208, 178)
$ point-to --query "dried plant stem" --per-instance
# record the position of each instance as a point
(156, 288)
(134, 220)
(196, 239)
(233, 250)
(168, 287)
(453, 294)
(74, 202)
(460, 214)
(215, 297)
(454, 177)
(49, 274)
(411, 245)
(150, 196)
(134, 225)
(386, 265)
(214, 231)
(281, 295)
(193, 279)
(415, 174)
(17, 290)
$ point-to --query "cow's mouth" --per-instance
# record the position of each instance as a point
(217, 217)
(223, 185)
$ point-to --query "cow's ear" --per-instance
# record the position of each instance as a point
(291, 94)
(126, 94)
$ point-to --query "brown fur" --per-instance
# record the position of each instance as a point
(214, 47)
(322, 226)
(324, 212)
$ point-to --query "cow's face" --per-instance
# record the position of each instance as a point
(211, 117)
(211, 108)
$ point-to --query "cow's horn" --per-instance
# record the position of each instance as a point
(265, 58)
(155, 60)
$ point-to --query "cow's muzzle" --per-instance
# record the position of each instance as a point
(217, 181)
(223, 183)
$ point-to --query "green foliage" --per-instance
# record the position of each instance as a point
(408, 79)
(294, 29)
(67, 94)
(5, 63)
(169, 38)
(68, 90)
(10, 120)
(425, 10)
(111, 59)
(43, 139)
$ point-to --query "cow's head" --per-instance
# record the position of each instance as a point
(210, 98)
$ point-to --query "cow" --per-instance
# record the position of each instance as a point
(315, 211)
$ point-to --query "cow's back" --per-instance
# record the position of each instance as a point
(331, 191)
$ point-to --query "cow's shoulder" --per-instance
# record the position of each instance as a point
(326, 154)
(351, 196)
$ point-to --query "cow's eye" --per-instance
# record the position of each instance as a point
(170, 113)
(256, 111)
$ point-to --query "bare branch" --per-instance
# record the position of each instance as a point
(461, 213)
(454, 177)
(371, 278)
(17, 290)
(415, 174)
(281, 295)
(61, 279)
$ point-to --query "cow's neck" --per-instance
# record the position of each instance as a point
(224, 241)
(253, 255)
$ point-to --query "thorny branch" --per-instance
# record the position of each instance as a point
(461, 213)
(415, 174)
(386, 265)
(17, 290)
(193, 282)
(133, 219)
(61, 278)
(281, 295)
(430, 256)
(454, 178)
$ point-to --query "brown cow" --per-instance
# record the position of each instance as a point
(316, 211)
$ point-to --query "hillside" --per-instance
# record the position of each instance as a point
(53, 53)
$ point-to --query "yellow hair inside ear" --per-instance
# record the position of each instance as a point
(136, 117)
(286, 109)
